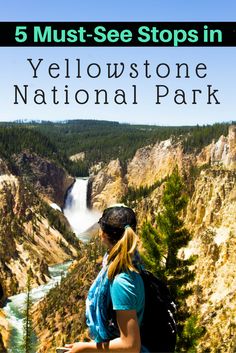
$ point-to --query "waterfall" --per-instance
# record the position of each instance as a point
(79, 216)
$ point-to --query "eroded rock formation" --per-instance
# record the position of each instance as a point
(48, 178)
(107, 186)
(28, 237)
(211, 219)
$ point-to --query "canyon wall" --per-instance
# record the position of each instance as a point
(210, 217)
(29, 239)
(48, 178)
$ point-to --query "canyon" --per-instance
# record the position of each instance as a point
(209, 177)
(30, 239)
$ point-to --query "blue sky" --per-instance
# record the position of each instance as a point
(220, 62)
(122, 10)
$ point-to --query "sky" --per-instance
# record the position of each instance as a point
(15, 68)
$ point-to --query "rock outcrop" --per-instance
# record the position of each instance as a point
(211, 219)
(107, 186)
(4, 332)
(28, 237)
(78, 157)
(213, 201)
(47, 177)
(221, 153)
(154, 163)
(150, 164)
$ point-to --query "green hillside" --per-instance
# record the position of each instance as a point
(100, 140)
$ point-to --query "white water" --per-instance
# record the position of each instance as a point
(16, 305)
(80, 219)
(76, 211)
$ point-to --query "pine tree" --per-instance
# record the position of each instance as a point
(153, 253)
(28, 335)
(174, 235)
(162, 244)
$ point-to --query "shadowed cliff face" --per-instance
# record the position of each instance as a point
(28, 238)
(47, 178)
(1, 292)
(2, 348)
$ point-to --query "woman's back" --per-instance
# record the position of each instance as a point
(116, 300)
(127, 293)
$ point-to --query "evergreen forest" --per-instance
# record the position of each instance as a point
(101, 141)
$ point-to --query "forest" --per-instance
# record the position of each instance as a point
(101, 141)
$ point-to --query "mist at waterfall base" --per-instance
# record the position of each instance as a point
(81, 220)
(79, 216)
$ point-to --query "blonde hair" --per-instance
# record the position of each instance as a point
(120, 256)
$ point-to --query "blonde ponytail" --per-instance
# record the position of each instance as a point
(120, 257)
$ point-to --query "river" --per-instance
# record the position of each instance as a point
(80, 219)
(15, 306)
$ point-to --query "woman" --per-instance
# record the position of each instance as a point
(115, 303)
